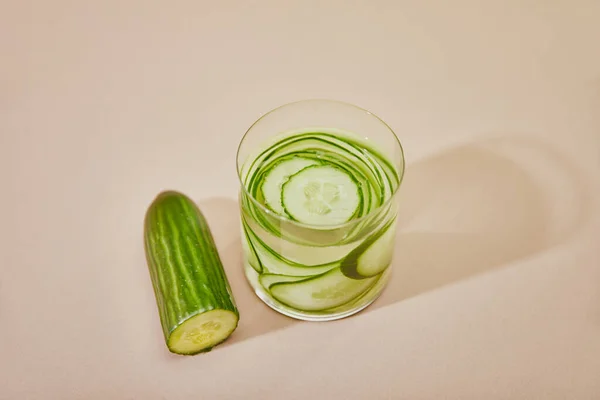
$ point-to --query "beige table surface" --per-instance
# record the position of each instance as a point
(496, 290)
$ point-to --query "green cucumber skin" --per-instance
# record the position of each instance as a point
(185, 268)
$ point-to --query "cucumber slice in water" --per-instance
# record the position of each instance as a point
(249, 251)
(373, 256)
(272, 262)
(321, 195)
(277, 176)
(267, 280)
(329, 290)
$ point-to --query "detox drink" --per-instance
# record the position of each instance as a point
(318, 220)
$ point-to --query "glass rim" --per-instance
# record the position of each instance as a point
(282, 218)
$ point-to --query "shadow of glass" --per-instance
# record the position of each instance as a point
(477, 207)
(463, 212)
(256, 318)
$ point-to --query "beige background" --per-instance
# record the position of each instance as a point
(496, 292)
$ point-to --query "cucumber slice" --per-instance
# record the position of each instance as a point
(250, 252)
(277, 176)
(329, 290)
(272, 262)
(373, 256)
(267, 280)
(203, 331)
(375, 175)
(321, 195)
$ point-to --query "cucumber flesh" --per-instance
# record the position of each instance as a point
(373, 256)
(203, 331)
(329, 290)
(277, 176)
(321, 195)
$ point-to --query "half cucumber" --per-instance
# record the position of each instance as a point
(195, 303)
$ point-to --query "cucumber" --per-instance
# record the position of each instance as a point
(277, 176)
(321, 195)
(373, 256)
(328, 290)
(195, 304)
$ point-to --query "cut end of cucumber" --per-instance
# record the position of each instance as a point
(202, 332)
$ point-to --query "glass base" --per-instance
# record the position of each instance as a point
(343, 311)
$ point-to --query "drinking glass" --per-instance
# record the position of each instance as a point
(318, 202)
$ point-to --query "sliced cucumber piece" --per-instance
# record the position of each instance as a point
(277, 176)
(250, 252)
(321, 195)
(266, 280)
(331, 289)
(373, 256)
(272, 262)
(203, 331)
